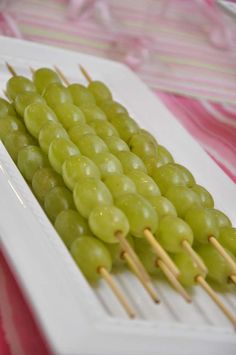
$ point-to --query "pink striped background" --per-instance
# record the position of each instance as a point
(194, 79)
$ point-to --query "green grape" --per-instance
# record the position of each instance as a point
(90, 254)
(100, 91)
(162, 206)
(10, 124)
(143, 146)
(104, 129)
(44, 180)
(167, 175)
(218, 268)
(78, 167)
(57, 200)
(59, 150)
(89, 193)
(106, 221)
(145, 185)
(70, 226)
(69, 115)
(18, 84)
(43, 77)
(130, 162)
(29, 160)
(205, 196)
(221, 218)
(107, 164)
(6, 109)
(112, 108)
(147, 256)
(116, 251)
(228, 238)
(140, 213)
(81, 129)
(116, 144)
(125, 126)
(15, 141)
(189, 179)
(119, 184)
(172, 232)
(56, 94)
(163, 156)
(93, 113)
(90, 145)
(49, 132)
(148, 135)
(81, 95)
(188, 269)
(203, 224)
(24, 99)
(36, 115)
(183, 198)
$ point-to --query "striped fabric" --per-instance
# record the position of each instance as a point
(194, 79)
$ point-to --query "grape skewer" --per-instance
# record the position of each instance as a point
(100, 270)
(147, 234)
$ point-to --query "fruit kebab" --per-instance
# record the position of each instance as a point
(191, 275)
(55, 92)
(128, 160)
(60, 149)
(143, 147)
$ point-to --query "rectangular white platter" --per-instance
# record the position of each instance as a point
(75, 318)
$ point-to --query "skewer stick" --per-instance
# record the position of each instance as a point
(202, 282)
(116, 290)
(195, 257)
(161, 253)
(232, 278)
(223, 253)
(172, 279)
(127, 247)
(11, 69)
(32, 70)
(61, 75)
(147, 285)
(85, 74)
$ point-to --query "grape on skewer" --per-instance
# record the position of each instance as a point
(191, 275)
(94, 260)
(125, 125)
(206, 230)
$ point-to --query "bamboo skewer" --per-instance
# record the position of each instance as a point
(173, 281)
(61, 75)
(161, 253)
(147, 285)
(118, 293)
(195, 257)
(232, 278)
(207, 288)
(127, 247)
(223, 253)
(85, 74)
(11, 69)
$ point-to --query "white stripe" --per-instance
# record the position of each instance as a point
(220, 159)
(218, 115)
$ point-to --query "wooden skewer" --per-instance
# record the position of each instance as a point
(172, 279)
(116, 290)
(61, 75)
(206, 287)
(161, 253)
(127, 247)
(85, 74)
(232, 278)
(223, 253)
(146, 284)
(11, 69)
(195, 257)
(32, 70)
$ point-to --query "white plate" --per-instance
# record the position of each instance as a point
(75, 318)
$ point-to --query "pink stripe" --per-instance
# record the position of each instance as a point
(227, 113)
